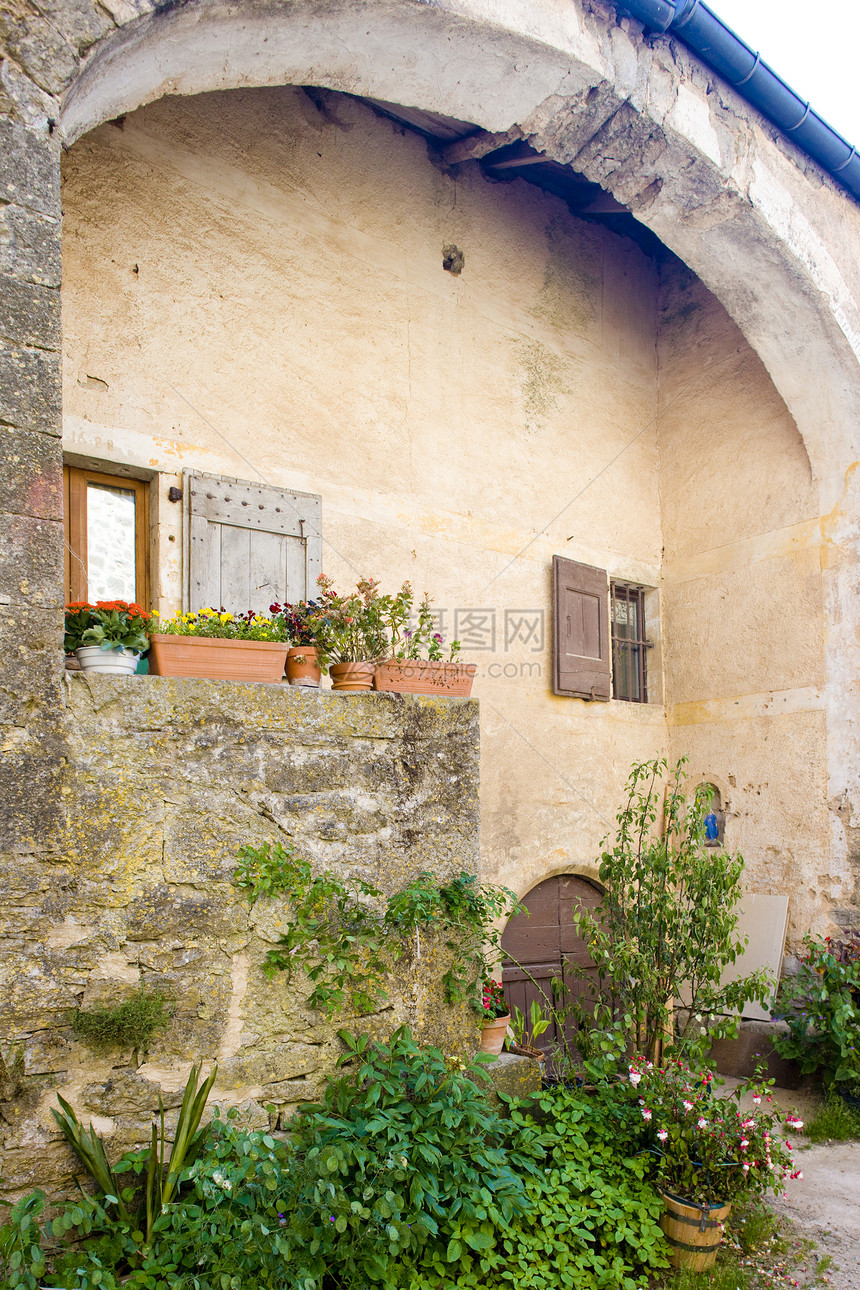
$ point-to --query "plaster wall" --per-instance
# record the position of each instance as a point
(253, 285)
(743, 602)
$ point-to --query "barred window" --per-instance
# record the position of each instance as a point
(629, 646)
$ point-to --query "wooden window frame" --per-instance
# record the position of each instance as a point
(634, 647)
(75, 482)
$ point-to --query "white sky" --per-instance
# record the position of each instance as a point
(814, 47)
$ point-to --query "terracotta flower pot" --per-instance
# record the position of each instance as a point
(114, 662)
(219, 660)
(351, 676)
(421, 676)
(302, 665)
(493, 1031)
(693, 1231)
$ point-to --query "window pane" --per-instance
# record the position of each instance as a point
(110, 543)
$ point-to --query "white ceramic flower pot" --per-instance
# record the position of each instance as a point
(116, 662)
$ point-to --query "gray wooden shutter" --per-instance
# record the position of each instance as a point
(248, 545)
(581, 654)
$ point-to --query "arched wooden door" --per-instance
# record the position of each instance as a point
(544, 945)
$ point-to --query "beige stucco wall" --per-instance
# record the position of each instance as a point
(742, 600)
(254, 287)
(290, 316)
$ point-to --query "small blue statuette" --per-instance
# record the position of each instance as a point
(712, 828)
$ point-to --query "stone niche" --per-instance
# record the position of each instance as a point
(164, 780)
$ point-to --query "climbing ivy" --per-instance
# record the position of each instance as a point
(347, 937)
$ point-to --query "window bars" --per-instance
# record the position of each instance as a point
(627, 615)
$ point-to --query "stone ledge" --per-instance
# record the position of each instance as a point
(753, 1046)
(160, 701)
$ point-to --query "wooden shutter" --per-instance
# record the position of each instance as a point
(248, 545)
(581, 666)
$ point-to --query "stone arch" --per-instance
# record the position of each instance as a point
(768, 232)
(639, 118)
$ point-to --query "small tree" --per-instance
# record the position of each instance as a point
(666, 927)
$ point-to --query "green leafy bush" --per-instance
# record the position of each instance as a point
(592, 1221)
(821, 1006)
(405, 1165)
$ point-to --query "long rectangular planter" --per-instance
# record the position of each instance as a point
(420, 676)
(219, 660)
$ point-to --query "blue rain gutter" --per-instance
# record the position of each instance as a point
(719, 47)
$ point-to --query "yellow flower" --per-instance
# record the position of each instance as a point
(226, 618)
(207, 613)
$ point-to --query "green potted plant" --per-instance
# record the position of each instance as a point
(414, 662)
(217, 644)
(304, 624)
(821, 1007)
(109, 636)
(708, 1152)
(351, 632)
(492, 1007)
(524, 1031)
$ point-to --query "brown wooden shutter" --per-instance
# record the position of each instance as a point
(249, 544)
(581, 662)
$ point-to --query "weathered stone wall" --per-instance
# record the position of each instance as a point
(163, 781)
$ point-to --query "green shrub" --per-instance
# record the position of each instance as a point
(593, 1217)
(405, 1165)
(821, 1006)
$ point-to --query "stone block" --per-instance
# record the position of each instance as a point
(754, 1047)
(32, 569)
(29, 314)
(30, 246)
(21, 98)
(514, 1076)
(31, 481)
(38, 47)
(80, 24)
(30, 395)
(31, 168)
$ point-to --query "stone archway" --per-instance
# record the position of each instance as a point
(635, 117)
(767, 232)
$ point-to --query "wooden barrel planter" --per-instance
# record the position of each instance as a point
(693, 1232)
